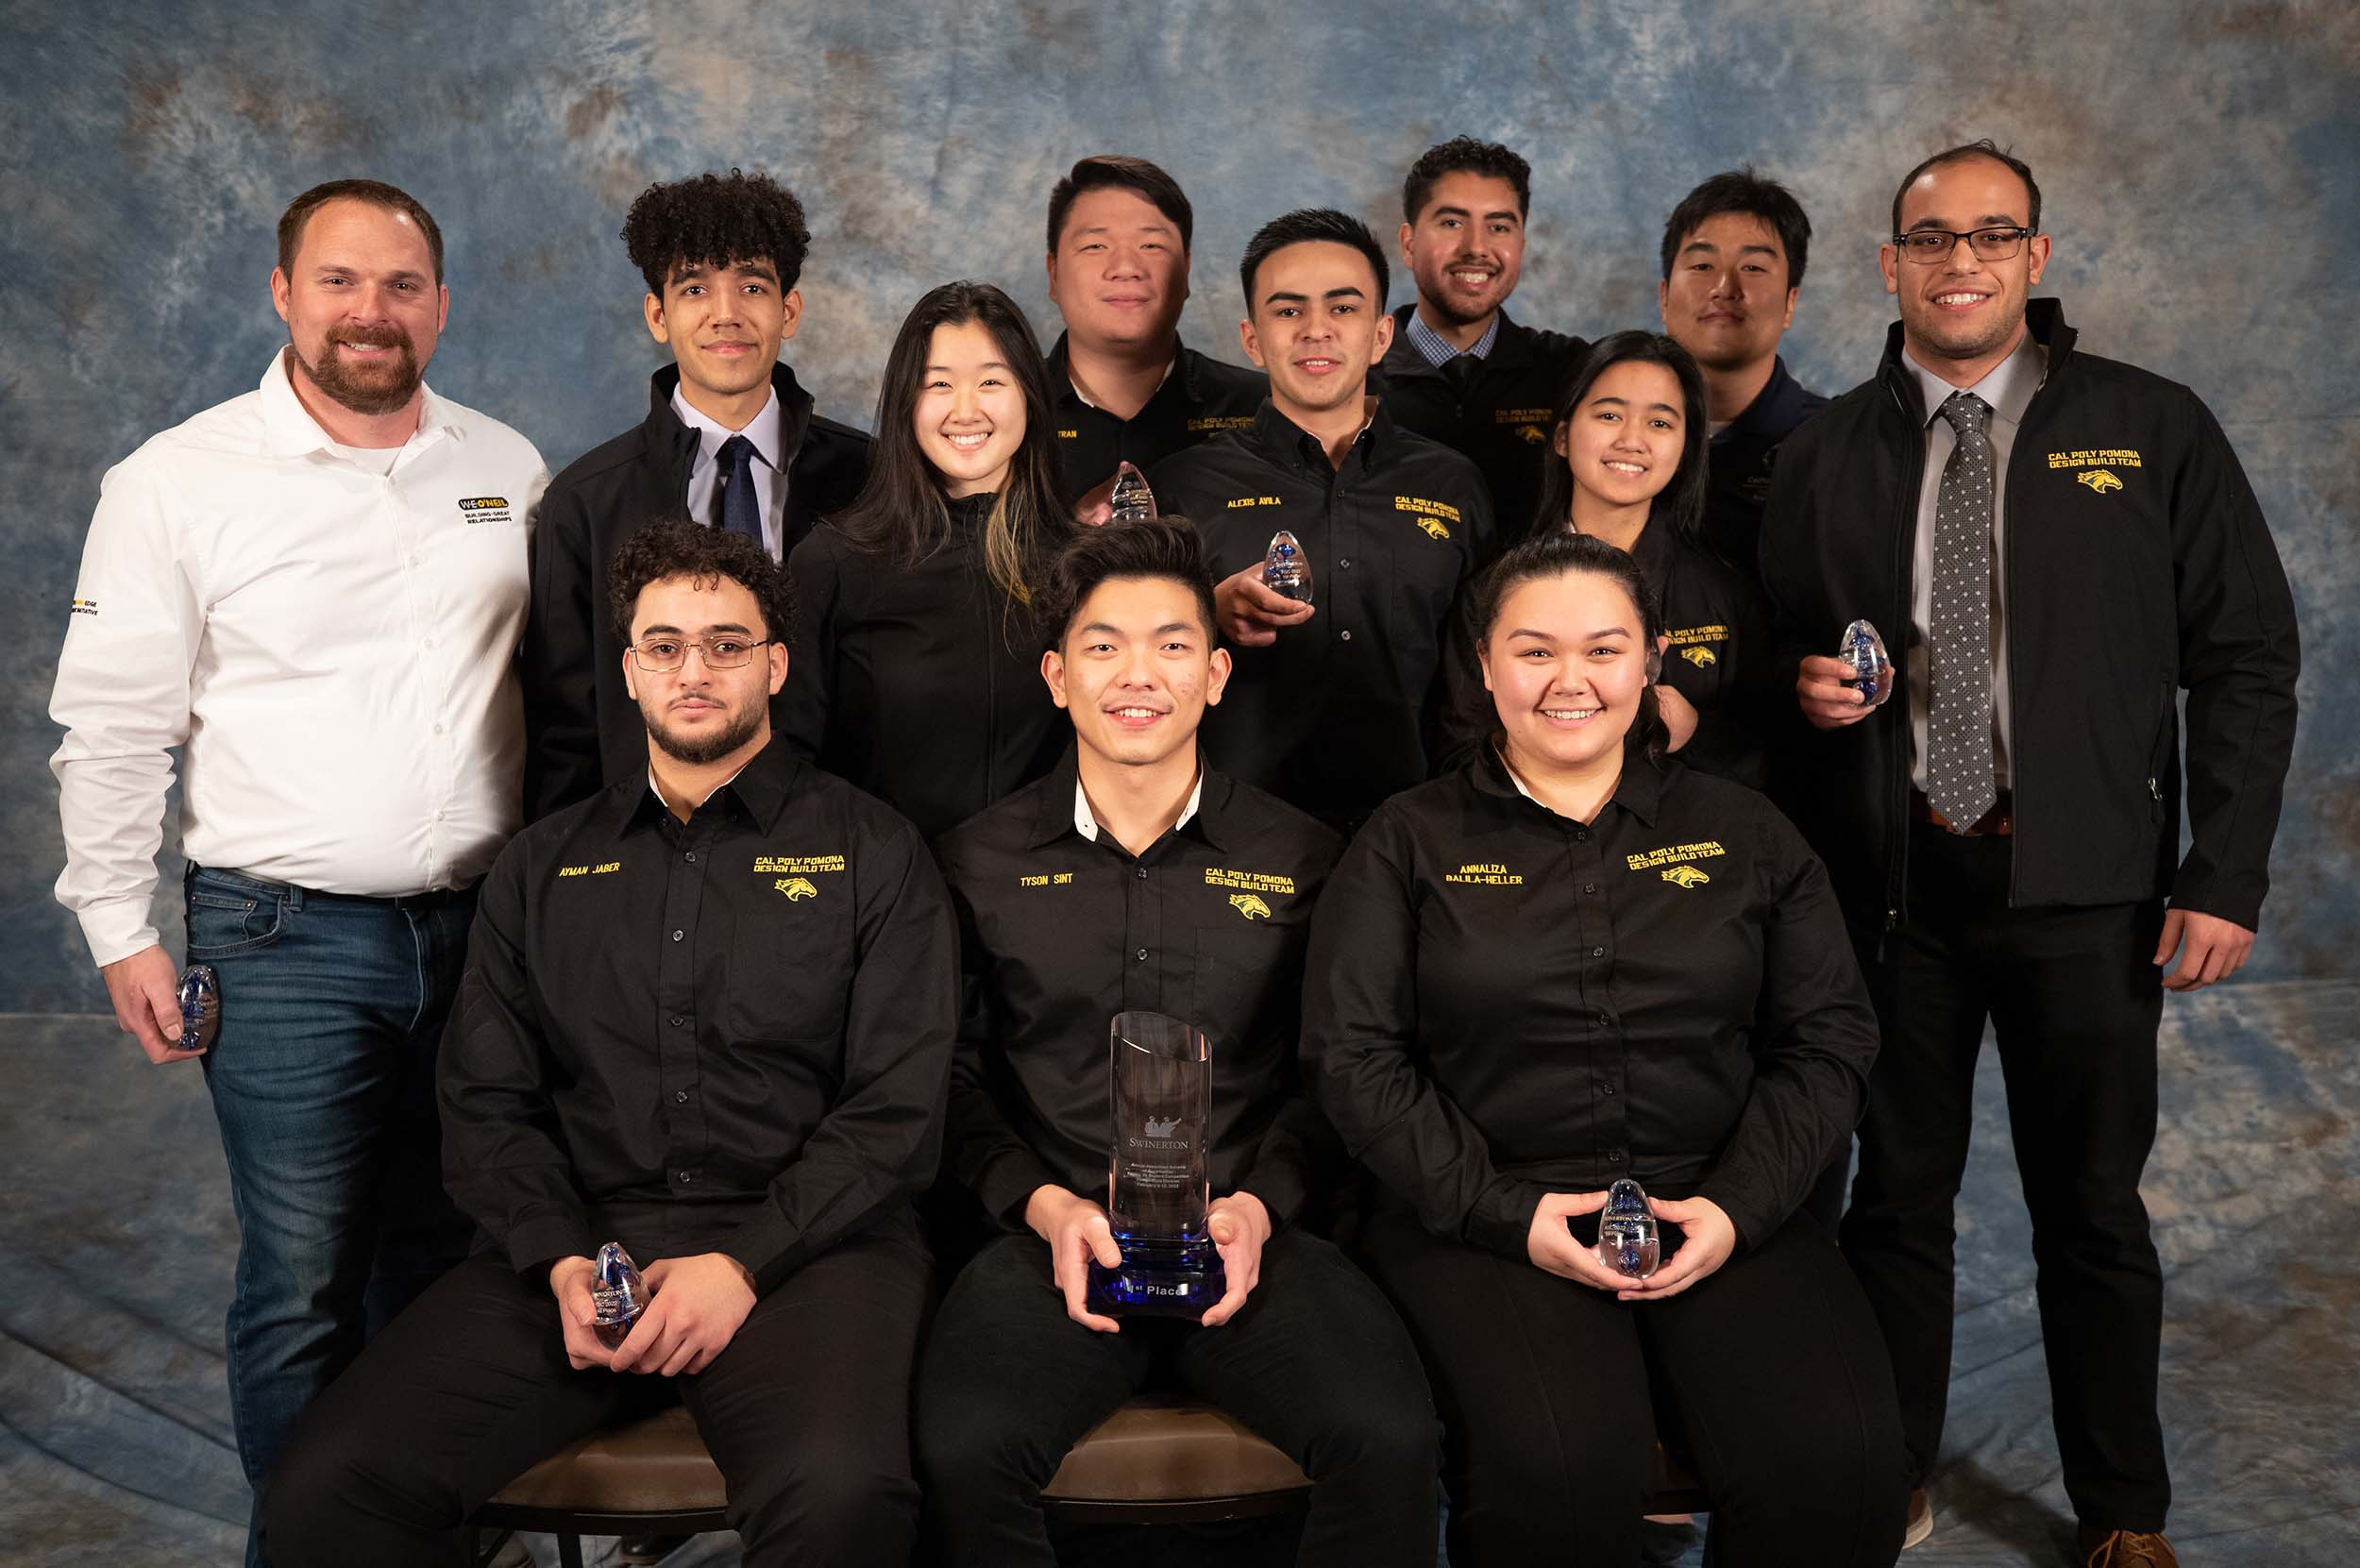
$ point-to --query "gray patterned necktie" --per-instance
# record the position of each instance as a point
(1959, 768)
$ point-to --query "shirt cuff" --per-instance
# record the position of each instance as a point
(117, 929)
(1736, 1198)
(1010, 1182)
(1501, 1220)
(539, 1242)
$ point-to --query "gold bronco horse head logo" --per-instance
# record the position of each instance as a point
(1686, 876)
(2099, 479)
(1250, 905)
(1697, 655)
(796, 887)
(1434, 527)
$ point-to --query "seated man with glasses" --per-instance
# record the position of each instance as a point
(708, 1015)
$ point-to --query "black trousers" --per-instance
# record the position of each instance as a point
(1315, 1361)
(806, 1412)
(2074, 1001)
(1549, 1391)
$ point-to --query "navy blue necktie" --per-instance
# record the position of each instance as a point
(736, 509)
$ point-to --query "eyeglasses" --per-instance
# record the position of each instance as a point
(1927, 245)
(662, 655)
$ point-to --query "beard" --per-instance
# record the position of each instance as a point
(373, 389)
(697, 750)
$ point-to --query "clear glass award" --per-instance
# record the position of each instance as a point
(1132, 501)
(1627, 1243)
(1158, 1182)
(1285, 571)
(1872, 669)
(200, 1007)
(617, 1296)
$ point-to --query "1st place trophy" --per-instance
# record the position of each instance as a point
(1158, 1183)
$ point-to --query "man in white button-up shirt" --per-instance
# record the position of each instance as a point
(315, 591)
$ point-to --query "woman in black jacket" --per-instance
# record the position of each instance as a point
(916, 670)
(1574, 960)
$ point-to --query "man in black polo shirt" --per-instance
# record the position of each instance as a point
(1733, 254)
(730, 435)
(1336, 707)
(708, 1013)
(1121, 385)
(1459, 371)
(1136, 877)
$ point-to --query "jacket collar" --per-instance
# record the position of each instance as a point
(674, 442)
(1510, 350)
(2044, 318)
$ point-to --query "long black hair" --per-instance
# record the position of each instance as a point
(901, 512)
(1679, 506)
(1555, 553)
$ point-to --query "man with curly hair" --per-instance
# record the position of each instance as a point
(730, 435)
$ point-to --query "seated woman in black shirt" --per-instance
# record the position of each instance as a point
(1573, 960)
(914, 673)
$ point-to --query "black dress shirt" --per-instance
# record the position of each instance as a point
(1200, 399)
(730, 1035)
(919, 683)
(1346, 709)
(1501, 1002)
(1060, 933)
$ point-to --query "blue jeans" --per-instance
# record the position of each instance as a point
(323, 1082)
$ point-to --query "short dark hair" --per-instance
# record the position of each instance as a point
(1160, 547)
(715, 221)
(1556, 552)
(676, 545)
(377, 193)
(1464, 155)
(1306, 224)
(1111, 171)
(1742, 191)
(1981, 147)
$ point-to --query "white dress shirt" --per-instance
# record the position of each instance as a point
(331, 647)
(704, 471)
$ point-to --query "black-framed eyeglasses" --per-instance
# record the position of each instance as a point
(1927, 245)
(662, 655)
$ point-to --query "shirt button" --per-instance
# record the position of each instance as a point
(1345, 636)
(1595, 952)
(680, 1097)
(438, 729)
(428, 643)
(1613, 1156)
(1142, 956)
(1141, 873)
(679, 1020)
(685, 1177)
(678, 934)
(1603, 1089)
(1589, 886)
(690, 857)
(1581, 835)
(1343, 563)
(1605, 1022)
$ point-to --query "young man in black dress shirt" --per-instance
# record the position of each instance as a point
(1459, 371)
(1333, 707)
(730, 435)
(1733, 256)
(1136, 877)
(708, 1014)
(1121, 387)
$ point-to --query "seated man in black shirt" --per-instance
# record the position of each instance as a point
(1334, 708)
(707, 1014)
(1137, 877)
(1459, 371)
(1121, 387)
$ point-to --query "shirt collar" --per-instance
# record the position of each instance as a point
(1086, 823)
(1437, 350)
(1064, 808)
(763, 429)
(2008, 386)
(761, 787)
(1777, 409)
(1282, 438)
(289, 430)
(1639, 791)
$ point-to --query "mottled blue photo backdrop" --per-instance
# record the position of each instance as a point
(2201, 164)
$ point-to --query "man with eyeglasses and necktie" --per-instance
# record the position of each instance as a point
(2055, 547)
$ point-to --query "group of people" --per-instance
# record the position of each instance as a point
(735, 848)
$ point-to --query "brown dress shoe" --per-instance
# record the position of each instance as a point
(2126, 1549)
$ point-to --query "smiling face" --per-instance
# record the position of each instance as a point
(1727, 301)
(1565, 663)
(1119, 274)
(1135, 670)
(970, 417)
(1317, 325)
(1623, 444)
(362, 306)
(1960, 311)
(698, 715)
(724, 326)
(1467, 248)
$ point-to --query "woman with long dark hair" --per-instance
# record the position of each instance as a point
(915, 668)
(1575, 959)
(1630, 440)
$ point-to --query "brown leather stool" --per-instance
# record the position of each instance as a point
(652, 1477)
(1171, 1460)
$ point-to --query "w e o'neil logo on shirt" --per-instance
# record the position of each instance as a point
(486, 509)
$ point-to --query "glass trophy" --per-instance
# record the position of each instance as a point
(1132, 501)
(1158, 1183)
(1872, 669)
(617, 1296)
(201, 1008)
(1285, 571)
(1627, 1243)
